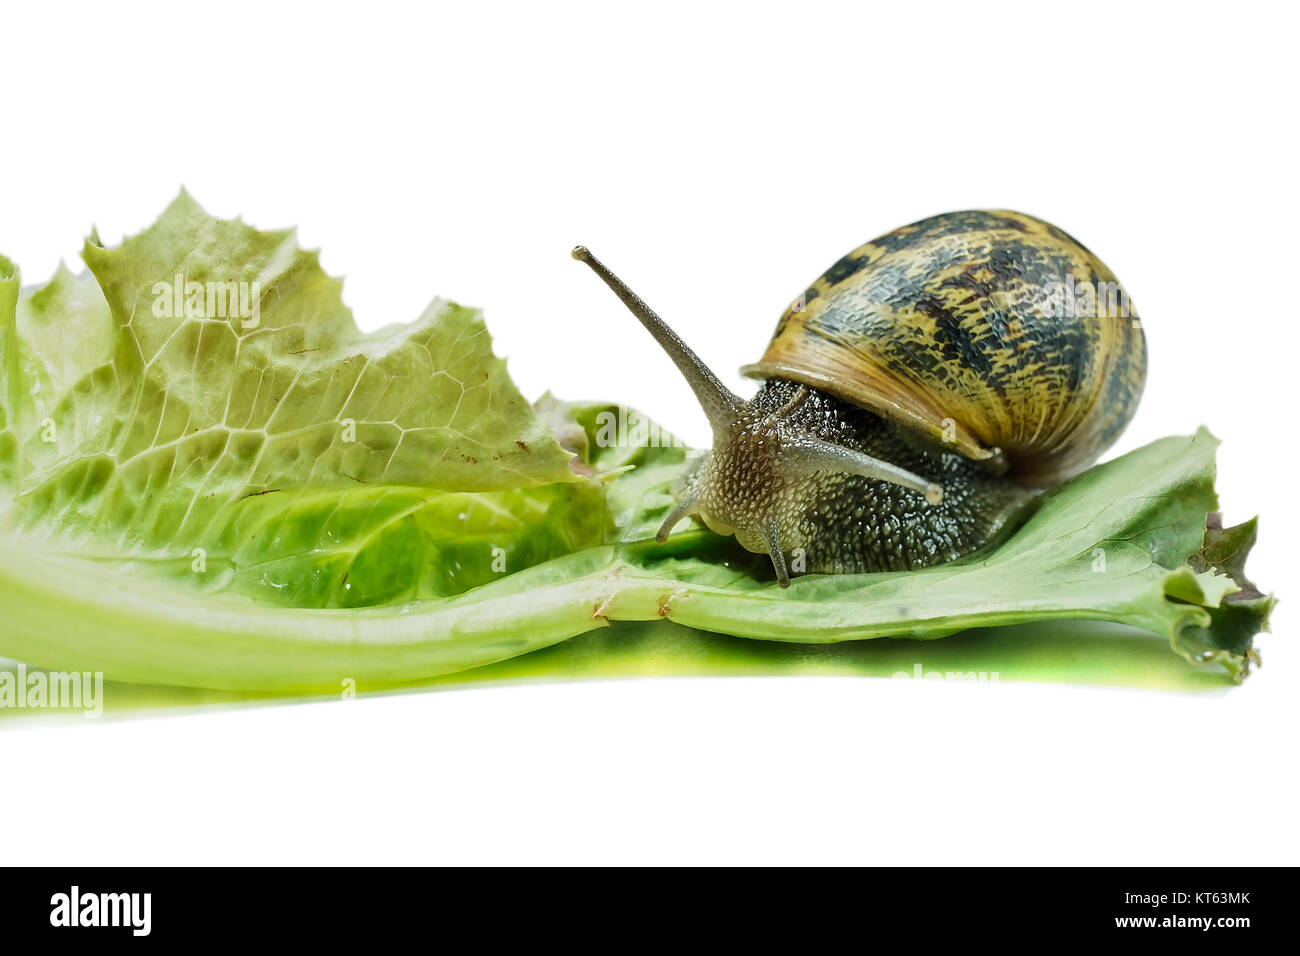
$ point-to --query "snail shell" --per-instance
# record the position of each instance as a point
(992, 331)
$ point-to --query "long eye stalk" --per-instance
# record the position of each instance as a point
(719, 404)
(813, 454)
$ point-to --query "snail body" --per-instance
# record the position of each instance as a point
(913, 394)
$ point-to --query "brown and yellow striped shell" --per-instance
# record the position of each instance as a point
(977, 329)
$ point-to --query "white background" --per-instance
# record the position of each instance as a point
(719, 157)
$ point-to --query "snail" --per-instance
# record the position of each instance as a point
(914, 398)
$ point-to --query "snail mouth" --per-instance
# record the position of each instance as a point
(739, 491)
(718, 526)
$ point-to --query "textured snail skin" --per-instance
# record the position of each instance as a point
(955, 322)
(842, 523)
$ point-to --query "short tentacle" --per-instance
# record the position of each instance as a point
(772, 536)
(685, 508)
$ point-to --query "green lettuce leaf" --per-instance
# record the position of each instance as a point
(267, 499)
(279, 451)
(134, 421)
